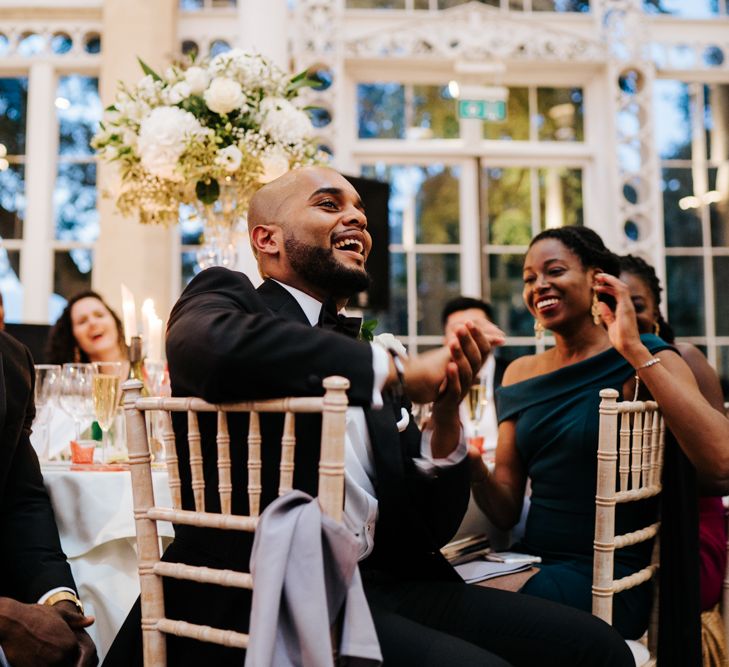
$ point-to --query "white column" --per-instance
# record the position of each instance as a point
(471, 250)
(36, 258)
(127, 251)
(263, 26)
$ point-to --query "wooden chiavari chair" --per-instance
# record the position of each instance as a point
(332, 407)
(629, 467)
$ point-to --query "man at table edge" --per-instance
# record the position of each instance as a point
(41, 618)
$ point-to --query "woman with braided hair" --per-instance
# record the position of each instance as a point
(548, 432)
(645, 292)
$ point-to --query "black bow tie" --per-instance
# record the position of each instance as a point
(330, 319)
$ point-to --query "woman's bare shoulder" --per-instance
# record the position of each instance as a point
(523, 368)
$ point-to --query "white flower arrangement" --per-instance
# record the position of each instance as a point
(234, 121)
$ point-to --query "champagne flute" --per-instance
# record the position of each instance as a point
(47, 386)
(76, 393)
(477, 401)
(106, 395)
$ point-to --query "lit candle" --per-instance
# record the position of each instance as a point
(154, 349)
(129, 312)
(148, 314)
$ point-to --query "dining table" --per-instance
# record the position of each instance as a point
(95, 518)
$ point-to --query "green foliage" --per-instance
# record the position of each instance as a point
(367, 331)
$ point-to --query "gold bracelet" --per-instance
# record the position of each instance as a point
(62, 596)
(651, 362)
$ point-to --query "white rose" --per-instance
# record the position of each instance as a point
(283, 122)
(274, 164)
(4, 164)
(229, 157)
(162, 138)
(197, 78)
(178, 92)
(223, 95)
(3, 150)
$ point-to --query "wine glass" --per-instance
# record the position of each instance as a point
(77, 393)
(47, 386)
(105, 398)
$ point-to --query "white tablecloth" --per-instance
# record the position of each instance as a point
(96, 523)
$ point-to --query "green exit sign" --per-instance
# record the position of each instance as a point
(482, 109)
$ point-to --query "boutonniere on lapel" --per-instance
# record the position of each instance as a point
(367, 330)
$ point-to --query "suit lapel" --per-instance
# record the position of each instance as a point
(280, 302)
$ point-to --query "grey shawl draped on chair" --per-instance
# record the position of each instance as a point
(304, 566)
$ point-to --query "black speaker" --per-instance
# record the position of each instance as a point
(375, 196)
(34, 336)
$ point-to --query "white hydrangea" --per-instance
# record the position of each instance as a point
(197, 78)
(229, 158)
(224, 95)
(163, 136)
(283, 122)
(175, 94)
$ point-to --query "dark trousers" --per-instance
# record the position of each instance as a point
(432, 624)
(419, 624)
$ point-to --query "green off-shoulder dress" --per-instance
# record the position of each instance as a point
(557, 422)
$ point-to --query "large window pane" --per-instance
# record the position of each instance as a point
(434, 113)
(398, 200)
(507, 205)
(672, 116)
(689, 9)
(375, 4)
(71, 275)
(74, 199)
(12, 202)
(381, 110)
(79, 112)
(682, 226)
(561, 5)
(438, 280)
(560, 114)
(505, 288)
(437, 205)
(560, 197)
(13, 110)
(516, 124)
(685, 278)
(190, 267)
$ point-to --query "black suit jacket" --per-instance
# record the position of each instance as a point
(227, 341)
(31, 559)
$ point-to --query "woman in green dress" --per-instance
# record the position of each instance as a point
(548, 425)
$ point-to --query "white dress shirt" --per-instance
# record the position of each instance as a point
(360, 498)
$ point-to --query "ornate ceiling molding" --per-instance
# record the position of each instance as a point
(475, 32)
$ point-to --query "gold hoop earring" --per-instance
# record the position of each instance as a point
(595, 310)
(538, 330)
(657, 328)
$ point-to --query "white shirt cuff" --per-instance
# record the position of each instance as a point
(381, 368)
(53, 591)
(429, 466)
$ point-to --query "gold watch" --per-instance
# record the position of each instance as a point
(62, 596)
